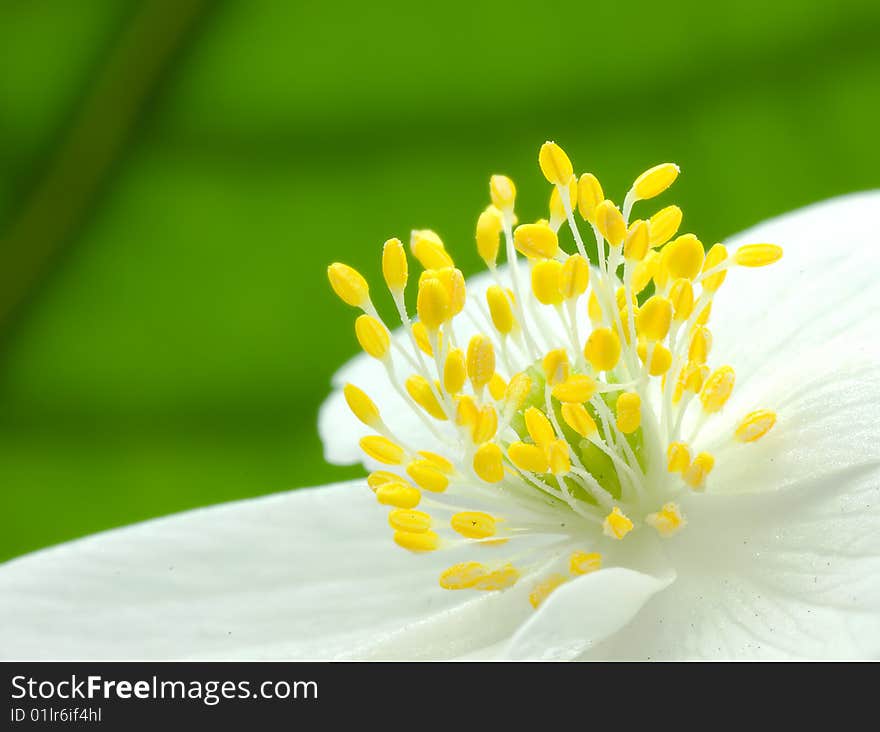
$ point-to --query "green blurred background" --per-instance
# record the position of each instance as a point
(175, 176)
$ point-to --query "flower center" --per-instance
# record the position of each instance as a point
(564, 407)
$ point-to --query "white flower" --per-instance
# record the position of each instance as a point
(768, 546)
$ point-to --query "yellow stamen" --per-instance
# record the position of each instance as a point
(610, 223)
(348, 284)
(629, 412)
(428, 476)
(556, 366)
(503, 192)
(426, 541)
(578, 418)
(661, 358)
(489, 235)
(544, 588)
(536, 241)
(361, 405)
(545, 281)
(420, 333)
(530, 458)
(664, 225)
(394, 265)
(696, 474)
(473, 524)
(462, 576)
(500, 579)
(654, 318)
(381, 477)
(558, 458)
(557, 208)
(681, 295)
(616, 524)
(590, 195)
(701, 344)
(684, 257)
(575, 277)
(716, 391)
(440, 462)
(398, 495)
(635, 246)
(480, 361)
(382, 450)
(538, 426)
(678, 457)
(489, 463)
(667, 521)
(555, 164)
(714, 257)
(454, 371)
(372, 336)
(577, 388)
(422, 393)
(497, 387)
(757, 255)
(466, 411)
(500, 309)
(602, 349)
(644, 271)
(655, 180)
(517, 391)
(432, 303)
(428, 248)
(485, 425)
(755, 425)
(404, 519)
(584, 562)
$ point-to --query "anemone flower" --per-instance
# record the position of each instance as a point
(571, 463)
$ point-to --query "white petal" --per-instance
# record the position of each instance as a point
(791, 574)
(307, 574)
(583, 612)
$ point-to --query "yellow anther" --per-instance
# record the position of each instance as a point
(654, 318)
(428, 248)
(500, 579)
(755, 425)
(466, 411)
(590, 195)
(664, 225)
(538, 426)
(578, 418)
(635, 246)
(382, 450)
(691, 379)
(373, 336)
(678, 457)
(594, 309)
(668, 520)
(425, 541)
(697, 472)
(536, 241)
(489, 463)
(544, 589)
(500, 309)
(629, 412)
(517, 391)
(616, 524)
(558, 458)
(485, 425)
(361, 405)
(454, 371)
(381, 477)
(462, 576)
(420, 333)
(432, 303)
(655, 180)
(556, 366)
(610, 223)
(557, 207)
(473, 524)
(440, 462)
(428, 476)
(405, 519)
(394, 265)
(453, 282)
(555, 165)
(348, 284)
(503, 192)
(577, 388)
(480, 361)
(757, 255)
(703, 317)
(716, 391)
(602, 349)
(399, 495)
(489, 235)
(700, 345)
(681, 295)
(714, 257)
(530, 458)
(620, 298)
(584, 562)
(545, 281)
(685, 257)
(497, 387)
(422, 393)
(661, 357)
(575, 277)
(661, 271)
(644, 271)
